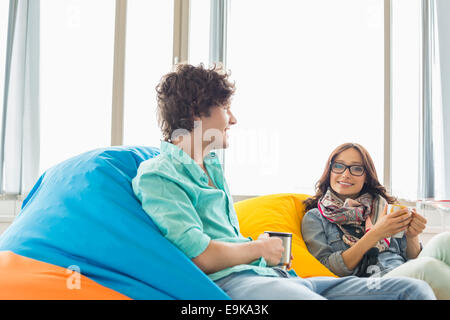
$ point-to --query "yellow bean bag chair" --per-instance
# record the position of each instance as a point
(284, 213)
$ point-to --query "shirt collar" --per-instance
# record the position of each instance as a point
(182, 157)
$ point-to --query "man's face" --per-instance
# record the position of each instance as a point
(215, 127)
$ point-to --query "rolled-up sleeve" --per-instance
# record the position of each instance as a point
(316, 240)
(172, 211)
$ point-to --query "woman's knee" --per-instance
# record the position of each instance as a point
(441, 240)
(436, 273)
(438, 247)
(419, 268)
(427, 264)
(425, 268)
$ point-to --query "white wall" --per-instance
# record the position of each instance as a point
(3, 226)
(9, 209)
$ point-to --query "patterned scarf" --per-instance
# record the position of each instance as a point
(353, 217)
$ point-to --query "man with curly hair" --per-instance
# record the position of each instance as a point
(185, 193)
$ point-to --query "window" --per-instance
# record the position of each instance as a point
(77, 46)
(199, 26)
(406, 62)
(149, 49)
(4, 13)
(309, 76)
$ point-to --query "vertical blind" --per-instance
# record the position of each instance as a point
(19, 135)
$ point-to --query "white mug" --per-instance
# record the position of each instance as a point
(395, 207)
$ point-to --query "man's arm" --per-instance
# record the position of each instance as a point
(221, 255)
(178, 221)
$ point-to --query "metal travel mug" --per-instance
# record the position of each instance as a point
(286, 237)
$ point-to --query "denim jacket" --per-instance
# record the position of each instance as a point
(324, 241)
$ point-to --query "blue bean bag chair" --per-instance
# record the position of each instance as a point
(83, 214)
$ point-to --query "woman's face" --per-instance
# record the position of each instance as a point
(345, 184)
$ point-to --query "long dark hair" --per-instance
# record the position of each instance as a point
(371, 185)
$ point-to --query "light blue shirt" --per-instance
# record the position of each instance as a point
(174, 192)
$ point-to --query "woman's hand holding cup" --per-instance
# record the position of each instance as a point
(417, 225)
(393, 223)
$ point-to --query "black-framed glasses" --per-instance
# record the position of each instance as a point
(339, 168)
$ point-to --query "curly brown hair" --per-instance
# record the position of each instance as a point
(371, 185)
(188, 92)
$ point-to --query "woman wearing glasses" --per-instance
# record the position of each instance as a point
(346, 227)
